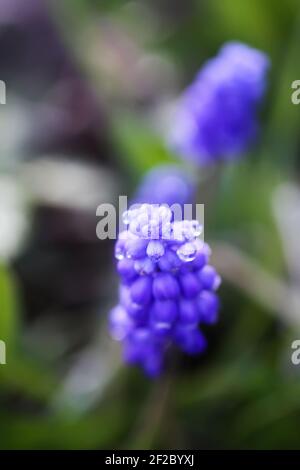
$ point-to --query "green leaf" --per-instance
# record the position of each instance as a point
(8, 309)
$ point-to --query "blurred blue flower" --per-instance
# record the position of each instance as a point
(166, 184)
(216, 116)
(167, 287)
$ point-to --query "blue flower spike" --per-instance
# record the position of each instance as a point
(167, 288)
(216, 115)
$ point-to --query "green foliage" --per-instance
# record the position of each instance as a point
(8, 308)
(139, 149)
(244, 392)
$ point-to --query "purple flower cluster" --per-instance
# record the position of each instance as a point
(167, 287)
(166, 184)
(216, 116)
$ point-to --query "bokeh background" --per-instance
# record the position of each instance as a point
(90, 86)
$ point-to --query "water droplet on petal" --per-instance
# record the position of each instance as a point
(135, 227)
(155, 250)
(120, 250)
(126, 217)
(197, 228)
(187, 252)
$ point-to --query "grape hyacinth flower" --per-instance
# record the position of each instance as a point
(216, 116)
(166, 184)
(167, 287)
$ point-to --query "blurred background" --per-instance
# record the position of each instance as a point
(90, 87)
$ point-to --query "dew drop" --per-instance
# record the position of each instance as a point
(197, 228)
(126, 217)
(155, 250)
(187, 252)
(120, 252)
